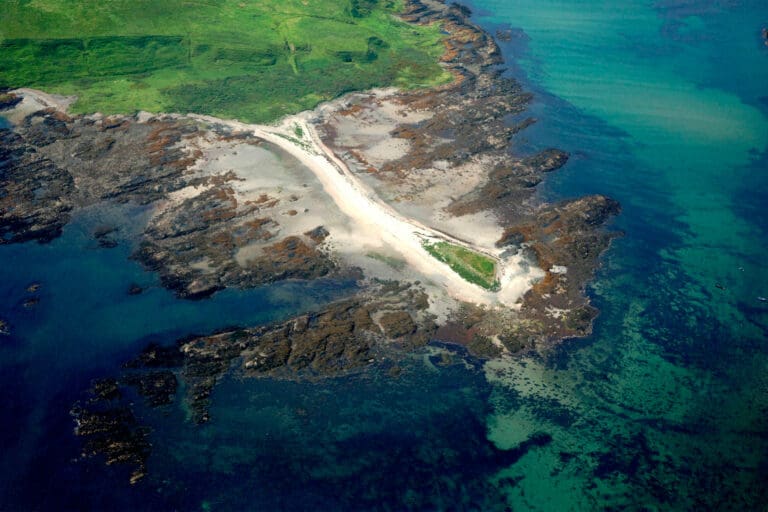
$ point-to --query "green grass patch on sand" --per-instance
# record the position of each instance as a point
(245, 59)
(474, 267)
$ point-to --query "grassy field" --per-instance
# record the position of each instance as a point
(243, 59)
(472, 266)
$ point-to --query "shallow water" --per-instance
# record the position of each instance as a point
(662, 106)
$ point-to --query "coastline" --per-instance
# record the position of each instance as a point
(221, 335)
(460, 128)
(216, 226)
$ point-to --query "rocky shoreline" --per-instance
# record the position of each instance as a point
(454, 150)
(344, 337)
(212, 228)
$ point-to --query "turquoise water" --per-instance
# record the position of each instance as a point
(663, 106)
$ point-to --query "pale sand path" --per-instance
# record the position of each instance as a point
(374, 219)
(379, 220)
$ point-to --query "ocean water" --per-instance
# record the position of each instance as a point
(665, 407)
(85, 326)
(663, 105)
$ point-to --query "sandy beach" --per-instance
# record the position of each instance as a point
(376, 223)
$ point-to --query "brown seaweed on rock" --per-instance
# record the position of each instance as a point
(475, 119)
(341, 338)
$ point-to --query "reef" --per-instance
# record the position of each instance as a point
(379, 325)
(110, 429)
(211, 228)
(52, 164)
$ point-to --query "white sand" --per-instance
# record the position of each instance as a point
(377, 224)
(33, 100)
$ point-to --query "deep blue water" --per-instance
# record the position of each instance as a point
(86, 325)
(665, 407)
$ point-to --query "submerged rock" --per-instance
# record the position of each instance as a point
(110, 430)
(338, 339)
(135, 289)
(335, 340)
(157, 387)
(31, 302)
(52, 163)
(105, 389)
(103, 235)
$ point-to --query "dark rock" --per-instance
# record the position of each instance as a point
(105, 389)
(8, 100)
(338, 339)
(547, 160)
(211, 228)
(34, 193)
(109, 429)
(509, 185)
(511, 237)
(49, 152)
(397, 324)
(31, 302)
(318, 235)
(158, 387)
(566, 241)
(517, 342)
(482, 346)
(46, 127)
(580, 319)
(157, 356)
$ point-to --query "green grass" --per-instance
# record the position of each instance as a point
(474, 267)
(245, 59)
